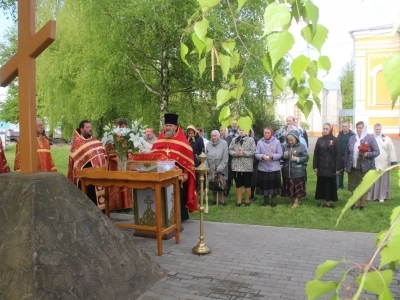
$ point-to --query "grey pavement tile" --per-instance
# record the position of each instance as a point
(243, 266)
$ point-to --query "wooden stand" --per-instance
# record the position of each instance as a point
(137, 180)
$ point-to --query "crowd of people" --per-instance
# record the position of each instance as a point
(274, 165)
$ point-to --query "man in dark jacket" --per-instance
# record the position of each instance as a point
(343, 137)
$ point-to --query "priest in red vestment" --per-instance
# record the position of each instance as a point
(173, 143)
(4, 168)
(45, 160)
(87, 151)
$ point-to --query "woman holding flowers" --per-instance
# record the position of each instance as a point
(268, 153)
(359, 159)
(326, 164)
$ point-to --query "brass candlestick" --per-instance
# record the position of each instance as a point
(201, 247)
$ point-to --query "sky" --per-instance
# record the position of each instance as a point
(339, 16)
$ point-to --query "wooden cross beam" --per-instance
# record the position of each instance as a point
(23, 65)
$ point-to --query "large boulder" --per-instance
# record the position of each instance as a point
(55, 244)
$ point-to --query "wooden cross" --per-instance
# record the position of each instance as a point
(23, 65)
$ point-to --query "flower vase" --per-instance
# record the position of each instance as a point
(121, 162)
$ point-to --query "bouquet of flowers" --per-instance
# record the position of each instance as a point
(121, 140)
(364, 147)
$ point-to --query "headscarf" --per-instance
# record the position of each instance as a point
(218, 136)
(357, 143)
(240, 139)
(270, 129)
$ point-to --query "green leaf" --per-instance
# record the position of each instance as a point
(198, 44)
(192, 17)
(298, 10)
(232, 80)
(324, 63)
(245, 123)
(225, 113)
(375, 281)
(228, 46)
(312, 69)
(317, 102)
(303, 92)
(320, 35)
(207, 4)
(237, 92)
(396, 228)
(293, 85)
(299, 65)
(209, 43)
(315, 85)
(235, 59)
(200, 28)
(312, 12)
(225, 61)
(240, 4)
(276, 16)
(249, 112)
(380, 236)
(306, 107)
(226, 122)
(390, 252)
(279, 44)
(315, 35)
(222, 97)
(316, 288)
(202, 65)
(362, 189)
(325, 267)
(391, 67)
(278, 84)
(184, 51)
(268, 64)
(386, 294)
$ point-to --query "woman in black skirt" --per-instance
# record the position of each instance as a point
(326, 165)
(268, 153)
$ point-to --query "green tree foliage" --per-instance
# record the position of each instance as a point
(346, 79)
(268, 25)
(9, 109)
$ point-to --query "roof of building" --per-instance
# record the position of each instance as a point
(332, 85)
(386, 26)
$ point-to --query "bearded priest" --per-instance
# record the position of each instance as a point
(173, 143)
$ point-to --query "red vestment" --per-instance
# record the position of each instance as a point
(4, 167)
(178, 148)
(119, 198)
(86, 153)
(45, 160)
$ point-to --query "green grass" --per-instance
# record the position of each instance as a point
(60, 153)
(373, 219)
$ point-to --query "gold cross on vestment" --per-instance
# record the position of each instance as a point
(168, 151)
(23, 65)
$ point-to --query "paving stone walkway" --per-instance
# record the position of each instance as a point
(249, 261)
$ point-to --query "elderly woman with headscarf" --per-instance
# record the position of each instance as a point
(359, 159)
(268, 153)
(242, 150)
(326, 164)
(295, 155)
(217, 162)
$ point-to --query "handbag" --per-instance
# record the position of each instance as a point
(218, 184)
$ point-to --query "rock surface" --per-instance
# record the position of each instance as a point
(55, 244)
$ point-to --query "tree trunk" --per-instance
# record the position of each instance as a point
(164, 88)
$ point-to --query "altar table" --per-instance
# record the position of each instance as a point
(138, 180)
